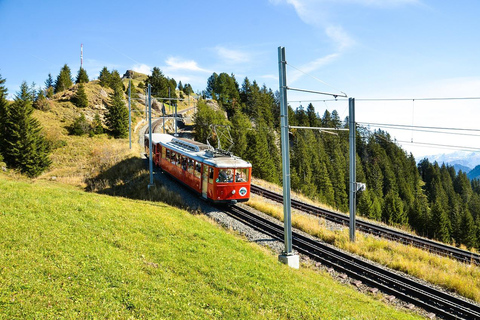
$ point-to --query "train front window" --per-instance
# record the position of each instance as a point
(225, 175)
(241, 175)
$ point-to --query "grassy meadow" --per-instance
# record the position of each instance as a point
(66, 253)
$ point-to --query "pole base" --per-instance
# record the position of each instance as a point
(293, 260)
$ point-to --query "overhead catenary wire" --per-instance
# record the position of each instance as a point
(387, 99)
(320, 80)
(430, 145)
(419, 127)
(428, 131)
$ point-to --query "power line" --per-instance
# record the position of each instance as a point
(417, 99)
(391, 99)
(431, 145)
(430, 131)
(312, 76)
(434, 145)
(421, 127)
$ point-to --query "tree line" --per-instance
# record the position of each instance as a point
(23, 145)
(433, 200)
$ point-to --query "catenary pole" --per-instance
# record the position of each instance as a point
(146, 104)
(175, 121)
(150, 160)
(130, 113)
(285, 151)
(353, 176)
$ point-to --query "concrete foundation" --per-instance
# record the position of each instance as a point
(293, 261)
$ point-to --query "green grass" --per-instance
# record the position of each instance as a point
(65, 253)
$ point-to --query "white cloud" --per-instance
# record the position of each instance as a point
(311, 66)
(232, 56)
(175, 63)
(142, 68)
(340, 37)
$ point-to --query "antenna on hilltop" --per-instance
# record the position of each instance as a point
(81, 55)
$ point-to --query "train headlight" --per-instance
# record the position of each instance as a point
(233, 191)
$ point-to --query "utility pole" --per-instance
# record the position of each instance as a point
(146, 104)
(150, 160)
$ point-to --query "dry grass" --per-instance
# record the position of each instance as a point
(447, 273)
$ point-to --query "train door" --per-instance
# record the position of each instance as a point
(204, 181)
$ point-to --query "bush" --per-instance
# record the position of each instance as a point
(80, 126)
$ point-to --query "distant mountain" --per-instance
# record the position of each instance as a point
(463, 160)
(475, 173)
(459, 167)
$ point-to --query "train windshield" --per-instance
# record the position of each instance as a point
(241, 175)
(225, 175)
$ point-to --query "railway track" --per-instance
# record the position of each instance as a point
(381, 231)
(442, 304)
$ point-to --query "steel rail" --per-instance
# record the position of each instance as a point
(378, 230)
(406, 289)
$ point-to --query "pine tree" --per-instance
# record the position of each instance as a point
(82, 76)
(440, 225)
(117, 115)
(187, 89)
(4, 113)
(97, 126)
(116, 81)
(64, 79)
(468, 235)
(41, 102)
(49, 82)
(263, 166)
(80, 126)
(25, 147)
(393, 209)
(158, 82)
(81, 99)
(180, 86)
(105, 77)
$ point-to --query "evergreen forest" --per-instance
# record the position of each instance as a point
(431, 199)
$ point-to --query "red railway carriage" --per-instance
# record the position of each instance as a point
(217, 177)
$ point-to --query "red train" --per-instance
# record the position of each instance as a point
(217, 176)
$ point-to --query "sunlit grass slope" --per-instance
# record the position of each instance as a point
(65, 253)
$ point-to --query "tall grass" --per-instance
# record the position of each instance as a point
(461, 278)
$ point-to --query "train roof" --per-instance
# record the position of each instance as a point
(199, 151)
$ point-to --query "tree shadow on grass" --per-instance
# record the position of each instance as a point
(129, 179)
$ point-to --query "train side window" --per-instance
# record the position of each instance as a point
(164, 153)
(198, 170)
(210, 175)
(174, 158)
(190, 166)
(183, 163)
(168, 155)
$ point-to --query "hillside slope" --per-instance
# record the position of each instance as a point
(70, 254)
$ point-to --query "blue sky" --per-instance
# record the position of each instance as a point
(365, 48)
